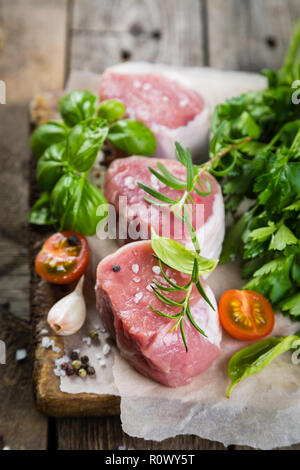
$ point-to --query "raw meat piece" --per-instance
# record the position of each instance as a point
(166, 103)
(208, 217)
(143, 337)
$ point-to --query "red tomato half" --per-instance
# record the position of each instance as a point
(63, 258)
(245, 314)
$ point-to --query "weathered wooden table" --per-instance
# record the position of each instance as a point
(40, 43)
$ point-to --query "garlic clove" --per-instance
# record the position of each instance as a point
(67, 316)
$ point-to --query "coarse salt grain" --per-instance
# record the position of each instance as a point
(47, 342)
(56, 349)
(102, 363)
(106, 349)
(98, 356)
(44, 331)
(165, 98)
(136, 279)
(147, 86)
(138, 297)
(135, 268)
(21, 354)
(129, 182)
(156, 269)
(149, 288)
(137, 84)
(183, 102)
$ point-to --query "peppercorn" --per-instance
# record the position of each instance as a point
(76, 364)
(116, 268)
(90, 370)
(82, 372)
(64, 366)
(74, 355)
(93, 334)
(84, 360)
(73, 240)
(70, 371)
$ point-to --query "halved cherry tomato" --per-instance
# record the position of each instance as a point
(246, 314)
(63, 258)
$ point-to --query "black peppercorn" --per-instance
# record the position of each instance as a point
(70, 371)
(74, 356)
(90, 370)
(116, 268)
(84, 359)
(73, 240)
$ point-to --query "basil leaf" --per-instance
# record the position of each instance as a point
(47, 134)
(176, 256)
(75, 203)
(256, 357)
(51, 165)
(111, 110)
(133, 137)
(40, 213)
(77, 106)
(84, 142)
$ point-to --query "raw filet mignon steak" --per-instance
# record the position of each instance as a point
(139, 215)
(123, 293)
(166, 103)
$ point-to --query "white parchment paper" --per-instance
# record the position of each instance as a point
(263, 411)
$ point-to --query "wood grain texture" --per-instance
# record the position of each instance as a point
(249, 34)
(147, 30)
(107, 434)
(32, 52)
(21, 426)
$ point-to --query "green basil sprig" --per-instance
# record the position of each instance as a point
(256, 357)
(67, 151)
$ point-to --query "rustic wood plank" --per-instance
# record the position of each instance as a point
(250, 34)
(21, 426)
(32, 53)
(107, 434)
(148, 30)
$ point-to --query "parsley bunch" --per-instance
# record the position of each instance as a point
(266, 171)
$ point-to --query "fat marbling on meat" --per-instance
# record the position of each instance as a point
(123, 293)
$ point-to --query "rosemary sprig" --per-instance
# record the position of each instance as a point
(195, 182)
(175, 256)
(184, 303)
(171, 252)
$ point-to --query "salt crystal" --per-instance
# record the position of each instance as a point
(135, 268)
(137, 84)
(102, 363)
(129, 182)
(106, 349)
(59, 372)
(138, 297)
(183, 102)
(47, 342)
(136, 279)
(156, 269)
(56, 349)
(44, 331)
(21, 354)
(165, 98)
(76, 350)
(98, 356)
(87, 340)
(147, 86)
(61, 360)
(149, 288)
(155, 183)
(173, 280)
